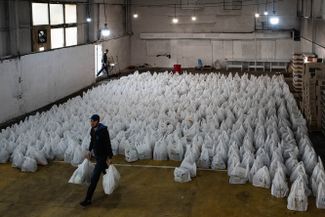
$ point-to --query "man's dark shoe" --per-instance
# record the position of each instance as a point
(85, 203)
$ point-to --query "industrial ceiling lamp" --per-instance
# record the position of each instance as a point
(265, 11)
(194, 18)
(257, 15)
(135, 14)
(274, 20)
(88, 19)
(175, 19)
(105, 31)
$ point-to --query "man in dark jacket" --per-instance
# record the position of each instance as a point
(100, 144)
(105, 63)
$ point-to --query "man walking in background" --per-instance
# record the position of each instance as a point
(104, 63)
(100, 144)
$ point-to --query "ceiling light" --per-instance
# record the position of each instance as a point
(193, 18)
(274, 20)
(105, 31)
(88, 19)
(175, 20)
(257, 15)
(136, 15)
(266, 13)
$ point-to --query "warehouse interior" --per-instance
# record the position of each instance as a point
(213, 107)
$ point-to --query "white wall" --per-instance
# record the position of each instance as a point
(187, 50)
(45, 78)
(313, 29)
(49, 76)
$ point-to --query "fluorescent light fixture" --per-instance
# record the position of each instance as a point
(257, 15)
(112, 64)
(266, 13)
(105, 31)
(274, 20)
(135, 15)
(88, 19)
(41, 49)
(175, 20)
(194, 18)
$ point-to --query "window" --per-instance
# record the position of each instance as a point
(58, 21)
(71, 36)
(57, 38)
(56, 14)
(70, 13)
(40, 14)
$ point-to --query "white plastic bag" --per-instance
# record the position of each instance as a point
(320, 199)
(111, 179)
(82, 174)
(239, 175)
(29, 165)
(204, 161)
(258, 164)
(160, 151)
(4, 155)
(297, 199)
(37, 155)
(68, 154)
(182, 175)
(315, 181)
(131, 153)
(59, 150)
(17, 159)
(144, 151)
(175, 151)
(78, 156)
(218, 163)
(189, 164)
(262, 178)
(279, 187)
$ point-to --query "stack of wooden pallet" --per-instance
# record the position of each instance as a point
(297, 68)
(313, 85)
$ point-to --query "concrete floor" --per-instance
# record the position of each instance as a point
(143, 191)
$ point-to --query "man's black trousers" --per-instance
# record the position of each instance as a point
(100, 167)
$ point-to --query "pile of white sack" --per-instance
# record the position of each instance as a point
(249, 125)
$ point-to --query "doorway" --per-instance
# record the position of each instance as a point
(98, 57)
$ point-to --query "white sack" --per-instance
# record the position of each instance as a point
(182, 175)
(111, 179)
(82, 174)
(29, 165)
(297, 199)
